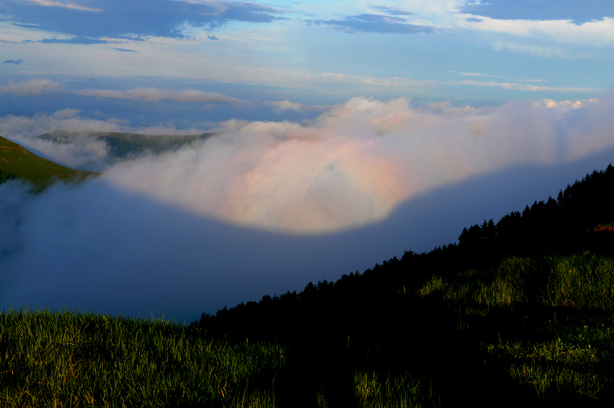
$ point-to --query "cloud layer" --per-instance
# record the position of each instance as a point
(352, 166)
(265, 207)
(32, 87)
(156, 94)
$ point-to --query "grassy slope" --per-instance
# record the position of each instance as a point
(17, 162)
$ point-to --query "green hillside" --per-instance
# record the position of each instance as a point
(127, 145)
(18, 163)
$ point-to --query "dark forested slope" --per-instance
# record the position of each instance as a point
(463, 317)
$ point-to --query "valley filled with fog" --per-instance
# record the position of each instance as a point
(263, 207)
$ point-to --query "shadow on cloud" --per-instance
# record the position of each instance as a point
(97, 247)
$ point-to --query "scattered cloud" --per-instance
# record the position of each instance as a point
(136, 18)
(33, 87)
(283, 106)
(596, 33)
(15, 62)
(124, 50)
(572, 10)
(156, 94)
(475, 74)
(212, 37)
(524, 87)
(391, 11)
(74, 40)
(376, 23)
(552, 104)
(421, 85)
(531, 80)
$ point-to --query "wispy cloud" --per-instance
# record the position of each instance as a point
(524, 87)
(376, 23)
(391, 11)
(74, 40)
(596, 33)
(571, 10)
(15, 62)
(157, 94)
(48, 3)
(475, 74)
(33, 87)
(124, 50)
(159, 18)
(410, 84)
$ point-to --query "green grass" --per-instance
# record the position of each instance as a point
(547, 323)
(73, 359)
(18, 163)
(534, 331)
(392, 391)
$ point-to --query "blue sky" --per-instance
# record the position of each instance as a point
(310, 52)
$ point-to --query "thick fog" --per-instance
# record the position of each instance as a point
(265, 207)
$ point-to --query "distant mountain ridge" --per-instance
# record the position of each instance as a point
(16, 162)
(128, 145)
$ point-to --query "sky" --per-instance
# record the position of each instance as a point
(346, 133)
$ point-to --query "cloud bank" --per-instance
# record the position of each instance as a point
(264, 207)
(356, 163)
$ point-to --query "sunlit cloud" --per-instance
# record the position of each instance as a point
(357, 162)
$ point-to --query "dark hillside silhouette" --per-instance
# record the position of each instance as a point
(374, 321)
(554, 226)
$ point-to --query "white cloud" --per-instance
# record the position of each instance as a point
(282, 106)
(475, 74)
(357, 162)
(156, 94)
(552, 104)
(33, 87)
(593, 33)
